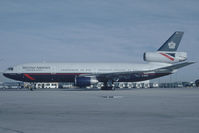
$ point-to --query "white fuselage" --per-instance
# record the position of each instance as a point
(83, 67)
(74, 72)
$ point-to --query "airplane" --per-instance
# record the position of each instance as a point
(165, 61)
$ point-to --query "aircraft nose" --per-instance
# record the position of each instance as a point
(5, 75)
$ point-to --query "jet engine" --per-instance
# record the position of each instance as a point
(165, 57)
(85, 81)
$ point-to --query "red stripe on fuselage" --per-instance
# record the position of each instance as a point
(29, 77)
(170, 58)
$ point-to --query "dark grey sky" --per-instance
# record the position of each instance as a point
(95, 30)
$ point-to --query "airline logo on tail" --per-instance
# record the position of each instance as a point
(172, 45)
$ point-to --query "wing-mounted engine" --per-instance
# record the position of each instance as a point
(165, 56)
(84, 81)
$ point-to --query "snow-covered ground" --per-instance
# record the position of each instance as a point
(129, 111)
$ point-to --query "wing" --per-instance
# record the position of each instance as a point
(116, 76)
(173, 67)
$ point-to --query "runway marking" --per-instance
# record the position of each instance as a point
(111, 97)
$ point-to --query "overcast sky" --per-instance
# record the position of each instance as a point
(95, 30)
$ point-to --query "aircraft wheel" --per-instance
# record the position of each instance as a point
(107, 86)
(197, 83)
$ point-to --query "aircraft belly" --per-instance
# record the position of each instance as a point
(70, 77)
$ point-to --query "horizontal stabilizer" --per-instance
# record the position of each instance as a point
(173, 67)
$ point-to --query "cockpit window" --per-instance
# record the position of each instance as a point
(10, 68)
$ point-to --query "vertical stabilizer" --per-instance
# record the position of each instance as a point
(173, 42)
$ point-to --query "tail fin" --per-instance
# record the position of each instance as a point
(173, 42)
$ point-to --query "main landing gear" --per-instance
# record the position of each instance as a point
(108, 86)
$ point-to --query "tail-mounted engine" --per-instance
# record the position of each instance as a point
(165, 56)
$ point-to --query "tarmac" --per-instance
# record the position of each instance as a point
(157, 110)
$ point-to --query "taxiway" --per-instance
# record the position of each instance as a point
(122, 111)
